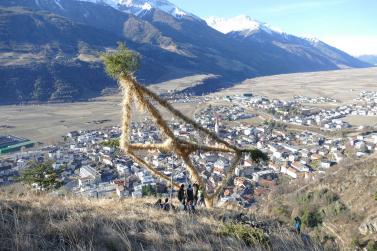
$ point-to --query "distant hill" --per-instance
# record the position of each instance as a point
(316, 52)
(66, 222)
(371, 59)
(49, 49)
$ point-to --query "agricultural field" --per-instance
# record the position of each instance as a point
(47, 123)
(342, 85)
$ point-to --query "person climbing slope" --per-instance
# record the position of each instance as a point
(298, 224)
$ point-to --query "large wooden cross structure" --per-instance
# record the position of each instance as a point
(122, 65)
(134, 93)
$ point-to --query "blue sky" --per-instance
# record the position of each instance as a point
(350, 25)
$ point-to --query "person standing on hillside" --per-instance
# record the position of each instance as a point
(298, 224)
(181, 194)
(195, 189)
(190, 195)
(200, 197)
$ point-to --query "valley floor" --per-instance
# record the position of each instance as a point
(342, 85)
(47, 123)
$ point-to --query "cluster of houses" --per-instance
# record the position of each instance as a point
(12, 164)
(365, 104)
(313, 100)
(177, 97)
(294, 111)
(364, 145)
(220, 112)
(90, 164)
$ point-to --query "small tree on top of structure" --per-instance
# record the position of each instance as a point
(122, 65)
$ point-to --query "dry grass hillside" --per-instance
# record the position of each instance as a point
(340, 207)
(29, 221)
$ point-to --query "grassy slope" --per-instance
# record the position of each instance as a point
(44, 222)
(344, 198)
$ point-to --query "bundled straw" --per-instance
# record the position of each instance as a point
(121, 65)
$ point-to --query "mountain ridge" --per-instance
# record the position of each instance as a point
(140, 7)
(371, 59)
(170, 47)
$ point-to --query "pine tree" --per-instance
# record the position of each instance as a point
(42, 175)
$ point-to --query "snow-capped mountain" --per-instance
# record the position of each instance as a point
(139, 7)
(77, 31)
(244, 27)
(247, 30)
(238, 23)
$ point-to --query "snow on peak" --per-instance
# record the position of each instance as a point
(312, 39)
(238, 23)
(112, 3)
(146, 6)
(138, 7)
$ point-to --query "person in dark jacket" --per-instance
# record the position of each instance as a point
(190, 195)
(181, 194)
(298, 224)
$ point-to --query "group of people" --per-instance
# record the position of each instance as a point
(191, 197)
(166, 205)
(188, 198)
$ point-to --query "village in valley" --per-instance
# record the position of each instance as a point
(303, 138)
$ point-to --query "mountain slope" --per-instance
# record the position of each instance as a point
(312, 50)
(343, 203)
(67, 222)
(41, 57)
(140, 7)
(245, 29)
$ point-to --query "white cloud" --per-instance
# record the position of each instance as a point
(354, 45)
